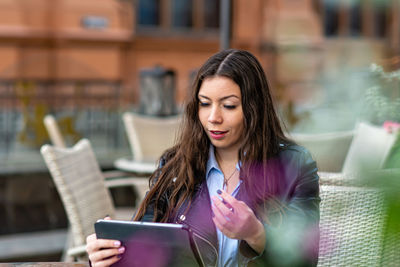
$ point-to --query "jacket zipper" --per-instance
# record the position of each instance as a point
(196, 232)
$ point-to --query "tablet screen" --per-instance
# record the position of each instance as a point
(149, 244)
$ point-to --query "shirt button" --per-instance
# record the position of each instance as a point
(182, 217)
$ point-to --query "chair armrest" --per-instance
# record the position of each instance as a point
(330, 178)
(140, 167)
(127, 181)
(77, 251)
(338, 179)
(115, 174)
(381, 178)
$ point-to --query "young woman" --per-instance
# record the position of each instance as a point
(250, 195)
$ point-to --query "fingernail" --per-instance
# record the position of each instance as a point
(117, 243)
(121, 249)
(219, 191)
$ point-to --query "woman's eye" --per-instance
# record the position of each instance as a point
(230, 106)
(202, 104)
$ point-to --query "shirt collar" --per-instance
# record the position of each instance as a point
(212, 161)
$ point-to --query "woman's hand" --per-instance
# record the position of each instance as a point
(237, 221)
(103, 252)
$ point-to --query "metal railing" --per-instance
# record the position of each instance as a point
(89, 109)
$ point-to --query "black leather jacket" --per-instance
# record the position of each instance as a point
(292, 236)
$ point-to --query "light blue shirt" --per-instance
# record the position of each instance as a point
(228, 249)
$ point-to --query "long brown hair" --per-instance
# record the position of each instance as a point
(185, 163)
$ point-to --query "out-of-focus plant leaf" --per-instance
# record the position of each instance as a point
(393, 160)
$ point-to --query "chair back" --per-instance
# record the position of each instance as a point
(351, 226)
(150, 136)
(369, 148)
(53, 130)
(328, 149)
(79, 181)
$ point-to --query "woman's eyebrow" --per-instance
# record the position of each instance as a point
(222, 98)
(203, 96)
(228, 96)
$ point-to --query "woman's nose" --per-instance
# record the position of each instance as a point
(215, 115)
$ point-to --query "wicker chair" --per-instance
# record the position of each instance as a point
(363, 149)
(367, 154)
(328, 149)
(53, 130)
(368, 150)
(113, 178)
(339, 179)
(352, 225)
(350, 192)
(83, 191)
(148, 137)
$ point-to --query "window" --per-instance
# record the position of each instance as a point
(355, 18)
(355, 21)
(331, 16)
(211, 14)
(182, 13)
(148, 12)
(177, 16)
(380, 17)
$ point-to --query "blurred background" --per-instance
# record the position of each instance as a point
(87, 62)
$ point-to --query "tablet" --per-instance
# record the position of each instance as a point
(151, 244)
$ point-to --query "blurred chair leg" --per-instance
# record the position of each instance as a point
(68, 244)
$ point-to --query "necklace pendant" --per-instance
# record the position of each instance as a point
(225, 185)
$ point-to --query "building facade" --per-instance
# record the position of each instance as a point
(111, 40)
(63, 55)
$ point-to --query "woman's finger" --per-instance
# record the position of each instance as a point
(91, 238)
(225, 223)
(218, 213)
(227, 198)
(98, 244)
(222, 223)
(223, 207)
(222, 228)
(106, 262)
(104, 254)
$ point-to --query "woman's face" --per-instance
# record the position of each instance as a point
(221, 113)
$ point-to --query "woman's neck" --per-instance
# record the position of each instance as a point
(226, 158)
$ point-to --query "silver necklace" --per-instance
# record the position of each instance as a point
(227, 180)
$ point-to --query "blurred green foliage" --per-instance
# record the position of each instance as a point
(388, 180)
(393, 160)
(382, 99)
